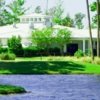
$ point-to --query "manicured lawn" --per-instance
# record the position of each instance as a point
(53, 66)
(9, 89)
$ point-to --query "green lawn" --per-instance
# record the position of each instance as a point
(53, 66)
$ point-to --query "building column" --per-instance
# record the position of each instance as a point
(65, 48)
(84, 45)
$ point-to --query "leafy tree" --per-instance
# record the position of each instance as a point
(57, 12)
(15, 46)
(67, 21)
(42, 38)
(10, 13)
(78, 20)
(2, 8)
(62, 37)
(16, 9)
(95, 7)
(38, 9)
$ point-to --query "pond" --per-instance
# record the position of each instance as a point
(54, 87)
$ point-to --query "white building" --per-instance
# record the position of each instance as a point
(80, 37)
(24, 28)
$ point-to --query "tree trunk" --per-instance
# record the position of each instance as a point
(98, 29)
(90, 32)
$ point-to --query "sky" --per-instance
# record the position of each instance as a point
(70, 6)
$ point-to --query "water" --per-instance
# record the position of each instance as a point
(54, 87)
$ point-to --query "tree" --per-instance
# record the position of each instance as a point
(62, 37)
(2, 8)
(98, 32)
(16, 9)
(56, 12)
(78, 20)
(95, 6)
(67, 21)
(38, 9)
(42, 38)
(90, 32)
(10, 13)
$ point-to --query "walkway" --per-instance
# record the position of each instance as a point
(55, 87)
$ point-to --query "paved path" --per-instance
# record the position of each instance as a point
(61, 87)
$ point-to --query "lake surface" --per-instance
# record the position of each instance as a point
(54, 87)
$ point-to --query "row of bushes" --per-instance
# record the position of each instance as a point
(32, 51)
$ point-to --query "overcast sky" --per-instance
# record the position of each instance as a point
(70, 6)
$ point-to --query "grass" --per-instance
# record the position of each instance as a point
(48, 65)
(9, 89)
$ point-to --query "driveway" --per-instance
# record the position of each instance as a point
(54, 87)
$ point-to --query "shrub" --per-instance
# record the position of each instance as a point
(86, 59)
(97, 60)
(15, 46)
(7, 56)
(79, 53)
(9, 89)
(34, 51)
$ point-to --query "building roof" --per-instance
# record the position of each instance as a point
(78, 33)
(23, 30)
(9, 31)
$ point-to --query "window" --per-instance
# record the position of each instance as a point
(40, 19)
(27, 19)
(31, 19)
(35, 19)
(23, 20)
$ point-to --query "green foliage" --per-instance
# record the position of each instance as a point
(67, 21)
(93, 8)
(7, 56)
(79, 53)
(10, 13)
(56, 12)
(78, 20)
(42, 38)
(15, 46)
(62, 37)
(9, 89)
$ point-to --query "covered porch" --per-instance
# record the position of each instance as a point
(82, 44)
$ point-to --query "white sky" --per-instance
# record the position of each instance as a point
(70, 6)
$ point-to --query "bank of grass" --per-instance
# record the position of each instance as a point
(49, 65)
(9, 89)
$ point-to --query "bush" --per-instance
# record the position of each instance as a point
(7, 56)
(15, 46)
(79, 53)
(97, 61)
(9, 89)
(86, 59)
(33, 51)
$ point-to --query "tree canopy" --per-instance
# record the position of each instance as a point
(9, 13)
